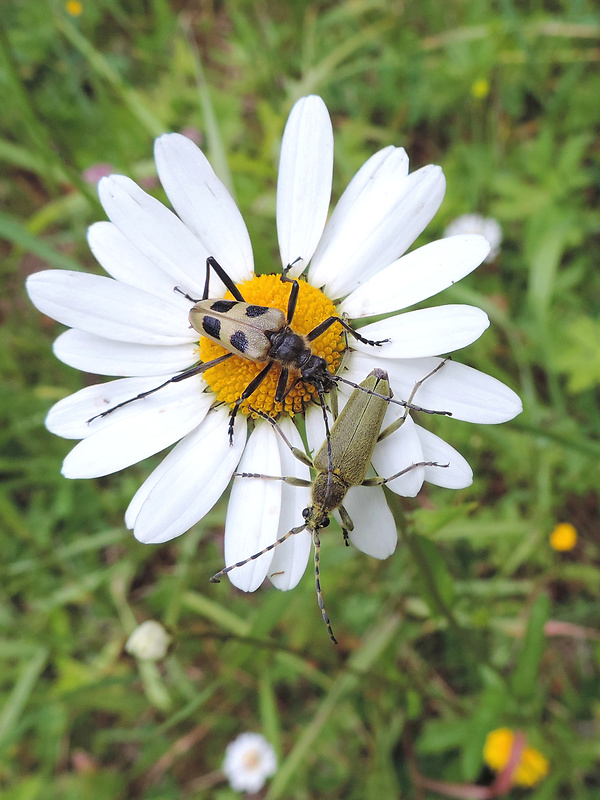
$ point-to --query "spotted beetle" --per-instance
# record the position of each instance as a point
(262, 334)
(341, 463)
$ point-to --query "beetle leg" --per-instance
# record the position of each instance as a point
(327, 323)
(286, 479)
(296, 451)
(284, 276)
(180, 377)
(293, 298)
(212, 262)
(216, 578)
(377, 481)
(282, 391)
(248, 391)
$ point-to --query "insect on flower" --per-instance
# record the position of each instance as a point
(261, 334)
(340, 464)
(131, 326)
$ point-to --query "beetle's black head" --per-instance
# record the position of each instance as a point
(316, 371)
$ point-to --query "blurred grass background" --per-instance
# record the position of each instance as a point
(449, 638)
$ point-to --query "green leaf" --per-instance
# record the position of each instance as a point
(525, 675)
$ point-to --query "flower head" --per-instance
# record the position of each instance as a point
(532, 766)
(484, 226)
(74, 8)
(563, 537)
(249, 761)
(149, 641)
(133, 325)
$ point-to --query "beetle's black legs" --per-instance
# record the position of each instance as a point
(229, 284)
(248, 391)
(327, 323)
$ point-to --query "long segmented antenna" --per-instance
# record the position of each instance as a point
(216, 578)
(317, 543)
(189, 373)
(402, 403)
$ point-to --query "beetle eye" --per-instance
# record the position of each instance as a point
(305, 513)
(324, 522)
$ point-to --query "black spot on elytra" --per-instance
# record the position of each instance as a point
(256, 311)
(212, 327)
(223, 306)
(239, 340)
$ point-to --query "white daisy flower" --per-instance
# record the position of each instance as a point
(149, 641)
(484, 226)
(134, 325)
(249, 761)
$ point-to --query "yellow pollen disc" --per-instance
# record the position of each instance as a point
(229, 379)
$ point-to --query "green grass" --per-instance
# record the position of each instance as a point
(442, 642)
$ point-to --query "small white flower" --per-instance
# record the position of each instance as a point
(475, 223)
(149, 641)
(132, 324)
(249, 761)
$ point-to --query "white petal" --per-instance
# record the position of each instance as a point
(376, 177)
(417, 276)
(69, 417)
(304, 182)
(108, 308)
(382, 222)
(253, 510)
(189, 481)
(374, 526)
(158, 233)
(315, 426)
(466, 393)
(137, 431)
(204, 204)
(457, 475)
(91, 353)
(428, 332)
(125, 263)
(290, 558)
(398, 452)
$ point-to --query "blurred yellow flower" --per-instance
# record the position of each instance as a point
(563, 537)
(480, 88)
(532, 765)
(74, 7)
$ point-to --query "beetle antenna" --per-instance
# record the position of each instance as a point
(189, 373)
(317, 543)
(216, 578)
(328, 439)
(403, 403)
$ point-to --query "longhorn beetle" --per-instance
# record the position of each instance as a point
(354, 436)
(262, 334)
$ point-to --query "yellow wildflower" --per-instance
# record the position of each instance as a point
(74, 7)
(480, 88)
(532, 765)
(563, 537)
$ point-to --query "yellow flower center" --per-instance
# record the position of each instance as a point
(229, 379)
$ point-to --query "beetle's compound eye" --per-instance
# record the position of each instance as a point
(305, 513)
(324, 522)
